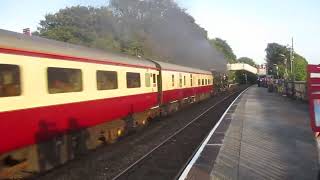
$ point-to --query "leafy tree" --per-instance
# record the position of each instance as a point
(300, 68)
(276, 54)
(279, 56)
(225, 48)
(152, 29)
(274, 51)
(247, 61)
(81, 25)
(241, 77)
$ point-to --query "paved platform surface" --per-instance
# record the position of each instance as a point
(261, 136)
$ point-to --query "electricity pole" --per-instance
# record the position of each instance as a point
(291, 59)
(292, 69)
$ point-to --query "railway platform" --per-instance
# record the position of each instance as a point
(261, 136)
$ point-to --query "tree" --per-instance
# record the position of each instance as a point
(279, 56)
(225, 48)
(153, 29)
(240, 75)
(247, 61)
(299, 68)
(81, 25)
(276, 54)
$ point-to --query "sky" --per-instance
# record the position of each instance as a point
(247, 25)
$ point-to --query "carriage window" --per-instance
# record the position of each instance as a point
(107, 80)
(63, 80)
(184, 80)
(202, 81)
(154, 79)
(9, 80)
(206, 81)
(191, 80)
(199, 82)
(209, 81)
(148, 81)
(172, 80)
(180, 81)
(133, 80)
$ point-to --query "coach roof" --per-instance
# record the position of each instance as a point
(175, 67)
(38, 45)
(53, 48)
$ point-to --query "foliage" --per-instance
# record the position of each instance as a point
(278, 62)
(300, 68)
(225, 48)
(242, 75)
(152, 29)
(81, 25)
(276, 53)
(238, 76)
(247, 61)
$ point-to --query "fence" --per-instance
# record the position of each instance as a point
(294, 89)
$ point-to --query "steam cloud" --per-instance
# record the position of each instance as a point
(172, 34)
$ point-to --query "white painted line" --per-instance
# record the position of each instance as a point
(168, 138)
(196, 156)
(213, 144)
(219, 132)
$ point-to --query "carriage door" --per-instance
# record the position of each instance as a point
(159, 84)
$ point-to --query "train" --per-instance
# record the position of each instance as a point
(59, 100)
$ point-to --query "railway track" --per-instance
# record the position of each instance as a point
(158, 151)
(164, 160)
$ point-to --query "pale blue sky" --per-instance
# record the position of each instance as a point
(247, 25)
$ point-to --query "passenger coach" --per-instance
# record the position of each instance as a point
(59, 100)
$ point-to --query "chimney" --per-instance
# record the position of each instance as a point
(26, 31)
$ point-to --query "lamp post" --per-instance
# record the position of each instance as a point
(292, 59)
(285, 66)
(292, 70)
(276, 70)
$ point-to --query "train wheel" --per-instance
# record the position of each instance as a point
(141, 119)
(114, 131)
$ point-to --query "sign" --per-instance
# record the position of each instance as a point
(314, 96)
(317, 112)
